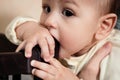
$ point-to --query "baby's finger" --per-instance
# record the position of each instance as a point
(44, 49)
(51, 45)
(21, 46)
(28, 49)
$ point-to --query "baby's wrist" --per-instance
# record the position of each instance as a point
(25, 30)
(12, 31)
(18, 33)
(21, 29)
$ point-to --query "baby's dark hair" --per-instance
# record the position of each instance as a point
(114, 6)
(108, 6)
(117, 12)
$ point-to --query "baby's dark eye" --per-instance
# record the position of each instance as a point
(67, 12)
(46, 9)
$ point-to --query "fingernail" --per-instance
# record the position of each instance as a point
(107, 45)
(32, 62)
(52, 55)
(16, 50)
(47, 59)
(27, 55)
(33, 71)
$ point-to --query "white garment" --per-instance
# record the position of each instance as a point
(110, 69)
(10, 30)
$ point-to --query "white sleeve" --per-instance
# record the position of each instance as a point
(10, 30)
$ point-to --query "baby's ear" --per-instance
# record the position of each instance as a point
(105, 25)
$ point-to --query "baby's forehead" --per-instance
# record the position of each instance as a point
(87, 2)
(79, 2)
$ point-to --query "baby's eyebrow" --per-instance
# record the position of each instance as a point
(70, 1)
(46, 0)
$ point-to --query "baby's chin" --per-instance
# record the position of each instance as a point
(65, 53)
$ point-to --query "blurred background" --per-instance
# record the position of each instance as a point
(9, 9)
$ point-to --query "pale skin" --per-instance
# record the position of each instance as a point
(66, 21)
(56, 71)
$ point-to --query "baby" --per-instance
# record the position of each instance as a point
(80, 26)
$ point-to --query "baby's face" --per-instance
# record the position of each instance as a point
(72, 22)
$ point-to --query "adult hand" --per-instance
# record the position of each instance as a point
(52, 71)
(92, 69)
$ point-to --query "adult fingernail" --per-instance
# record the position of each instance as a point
(32, 62)
(107, 45)
(33, 71)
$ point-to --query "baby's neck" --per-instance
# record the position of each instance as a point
(85, 50)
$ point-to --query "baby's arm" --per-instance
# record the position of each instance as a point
(29, 33)
(10, 30)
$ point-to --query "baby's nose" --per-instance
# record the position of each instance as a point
(51, 21)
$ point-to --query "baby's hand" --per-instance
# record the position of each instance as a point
(32, 34)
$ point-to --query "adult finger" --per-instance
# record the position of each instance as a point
(55, 63)
(91, 69)
(44, 67)
(101, 54)
(42, 74)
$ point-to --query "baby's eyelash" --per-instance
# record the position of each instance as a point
(67, 12)
(46, 8)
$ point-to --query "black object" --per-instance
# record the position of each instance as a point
(15, 63)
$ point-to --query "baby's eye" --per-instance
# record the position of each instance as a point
(67, 12)
(46, 9)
